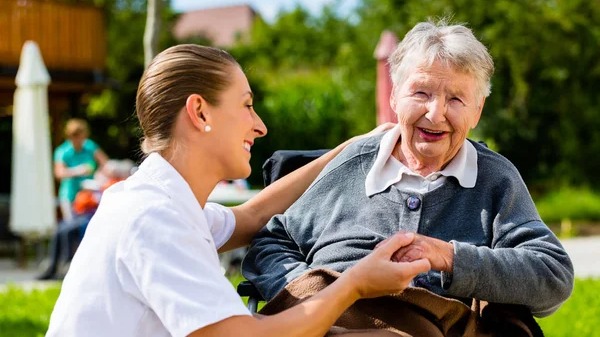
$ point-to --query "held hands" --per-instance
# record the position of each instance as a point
(377, 274)
(438, 252)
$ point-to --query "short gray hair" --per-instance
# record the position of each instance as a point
(454, 45)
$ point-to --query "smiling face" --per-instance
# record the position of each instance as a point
(436, 107)
(235, 125)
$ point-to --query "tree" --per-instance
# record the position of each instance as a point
(151, 33)
(542, 113)
(112, 112)
(300, 69)
(319, 72)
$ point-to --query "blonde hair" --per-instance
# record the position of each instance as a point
(454, 45)
(76, 127)
(172, 76)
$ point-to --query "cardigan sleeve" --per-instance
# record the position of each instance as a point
(273, 259)
(525, 263)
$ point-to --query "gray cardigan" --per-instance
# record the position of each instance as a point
(504, 253)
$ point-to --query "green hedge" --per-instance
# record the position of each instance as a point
(306, 110)
(576, 204)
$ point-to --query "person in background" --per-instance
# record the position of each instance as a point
(473, 216)
(148, 264)
(75, 160)
(69, 234)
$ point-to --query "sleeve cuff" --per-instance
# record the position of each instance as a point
(446, 279)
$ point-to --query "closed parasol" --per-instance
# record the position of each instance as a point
(33, 207)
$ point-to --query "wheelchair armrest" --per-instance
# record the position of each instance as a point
(283, 162)
(247, 289)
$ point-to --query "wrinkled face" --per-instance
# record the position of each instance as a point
(436, 107)
(236, 125)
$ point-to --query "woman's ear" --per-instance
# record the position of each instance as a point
(197, 112)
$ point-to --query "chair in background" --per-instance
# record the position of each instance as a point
(9, 242)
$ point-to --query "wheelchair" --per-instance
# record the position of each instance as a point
(278, 165)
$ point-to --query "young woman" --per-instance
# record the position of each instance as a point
(148, 264)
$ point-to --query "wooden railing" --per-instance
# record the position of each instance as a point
(70, 37)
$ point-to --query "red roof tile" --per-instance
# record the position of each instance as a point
(222, 25)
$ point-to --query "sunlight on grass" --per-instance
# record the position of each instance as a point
(579, 316)
(27, 313)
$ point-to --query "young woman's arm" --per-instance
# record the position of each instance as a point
(101, 158)
(61, 171)
(375, 275)
(252, 215)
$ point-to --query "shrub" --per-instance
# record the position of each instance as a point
(577, 204)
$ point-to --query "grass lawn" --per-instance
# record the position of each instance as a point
(579, 316)
(26, 313)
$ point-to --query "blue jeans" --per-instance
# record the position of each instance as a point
(64, 242)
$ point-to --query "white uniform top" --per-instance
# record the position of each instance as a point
(148, 264)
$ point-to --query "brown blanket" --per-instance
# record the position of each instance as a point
(416, 312)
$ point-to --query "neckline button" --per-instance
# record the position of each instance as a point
(413, 203)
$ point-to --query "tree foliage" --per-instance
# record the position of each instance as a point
(315, 86)
(542, 113)
(112, 112)
(314, 78)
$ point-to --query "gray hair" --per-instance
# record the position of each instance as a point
(454, 45)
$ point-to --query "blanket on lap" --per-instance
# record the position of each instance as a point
(415, 312)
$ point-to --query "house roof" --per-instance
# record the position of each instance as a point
(222, 25)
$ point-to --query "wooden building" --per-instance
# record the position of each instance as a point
(72, 39)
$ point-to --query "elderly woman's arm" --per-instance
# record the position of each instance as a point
(527, 266)
(274, 258)
(524, 264)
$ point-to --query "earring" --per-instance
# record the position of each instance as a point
(207, 128)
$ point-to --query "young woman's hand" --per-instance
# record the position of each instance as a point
(439, 253)
(379, 129)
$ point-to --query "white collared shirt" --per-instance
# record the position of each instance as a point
(387, 170)
(148, 264)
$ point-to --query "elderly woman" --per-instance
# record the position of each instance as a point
(475, 219)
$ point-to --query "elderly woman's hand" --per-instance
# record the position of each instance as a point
(439, 253)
